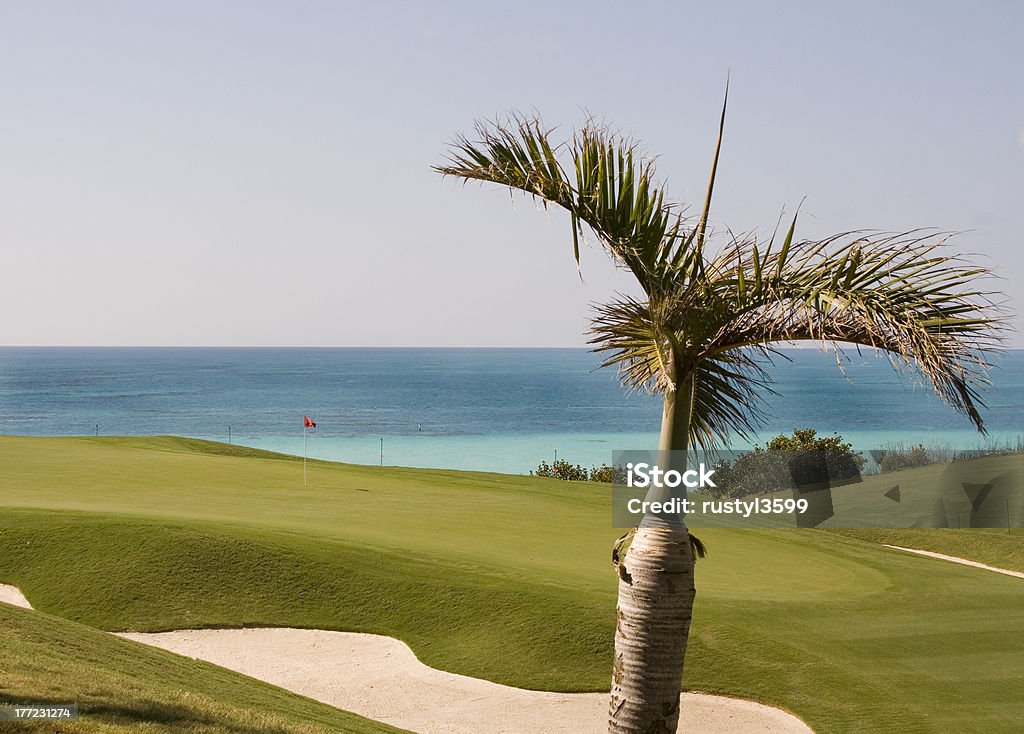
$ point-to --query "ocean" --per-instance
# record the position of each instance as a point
(500, 410)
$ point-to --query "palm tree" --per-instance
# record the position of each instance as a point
(705, 330)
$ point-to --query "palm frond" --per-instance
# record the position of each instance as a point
(612, 189)
(729, 388)
(729, 397)
(626, 328)
(516, 153)
(902, 294)
(716, 319)
(619, 198)
(702, 224)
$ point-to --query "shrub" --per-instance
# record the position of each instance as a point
(899, 457)
(561, 469)
(609, 474)
(785, 462)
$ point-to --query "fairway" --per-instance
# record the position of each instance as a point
(500, 577)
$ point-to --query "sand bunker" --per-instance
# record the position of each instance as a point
(954, 559)
(380, 678)
(12, 595)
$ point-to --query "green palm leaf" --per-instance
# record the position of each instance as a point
(716, 318)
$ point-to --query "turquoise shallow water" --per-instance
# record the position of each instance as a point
(486, 409)
(519, 453)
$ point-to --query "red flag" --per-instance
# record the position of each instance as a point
(307, 423)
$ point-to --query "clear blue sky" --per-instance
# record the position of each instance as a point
(244, 173)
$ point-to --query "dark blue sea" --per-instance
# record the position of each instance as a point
(491, 409)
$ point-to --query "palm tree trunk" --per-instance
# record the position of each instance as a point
(675, 416)
(656, 593)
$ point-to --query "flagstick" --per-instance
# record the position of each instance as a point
(305, 483)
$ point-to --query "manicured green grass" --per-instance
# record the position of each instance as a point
(506, 578)
(125, 574)
(122, 686)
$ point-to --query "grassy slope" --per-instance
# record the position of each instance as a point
(500, 577)
(997, 548)
(121, 686)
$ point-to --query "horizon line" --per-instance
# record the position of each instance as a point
(791, 346)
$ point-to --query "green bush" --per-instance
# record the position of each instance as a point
(608, 474)
(785, 462)
(562, 469)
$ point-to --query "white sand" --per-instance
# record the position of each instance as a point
(954, 559)
(380, 678)
(12, 595)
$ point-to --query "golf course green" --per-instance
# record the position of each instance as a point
(501, 577)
